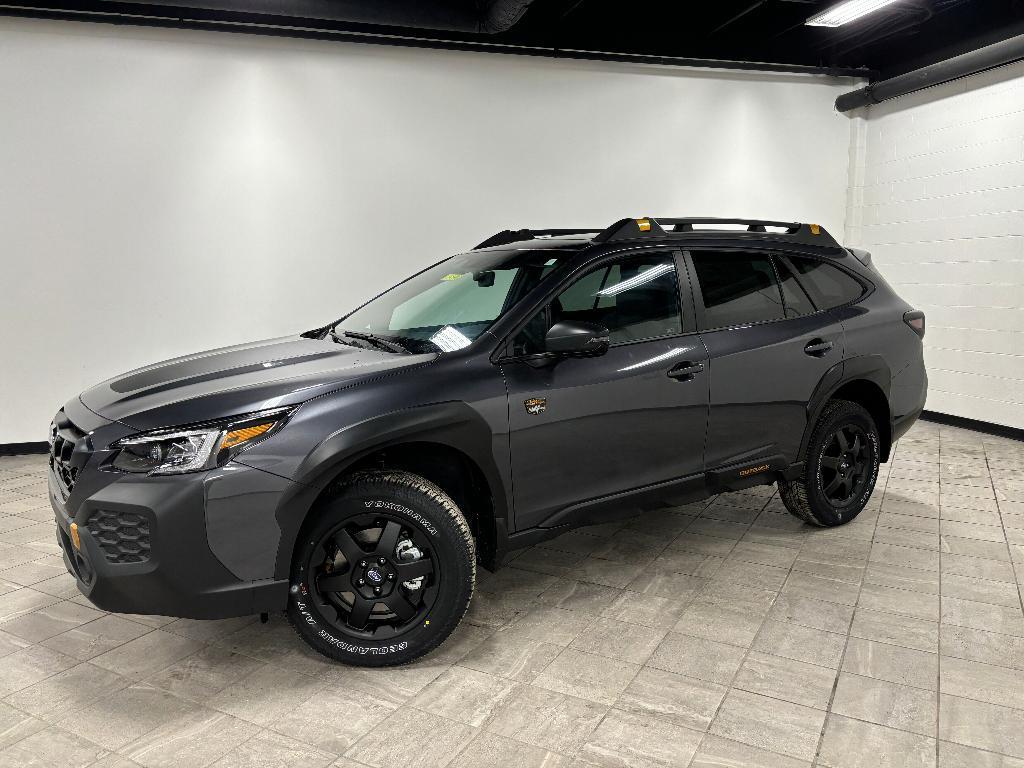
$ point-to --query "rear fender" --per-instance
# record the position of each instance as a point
(871, 368)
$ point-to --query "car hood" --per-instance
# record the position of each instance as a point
(236, 380)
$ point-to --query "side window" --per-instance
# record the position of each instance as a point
(828, 286)
(795, 297)
(635, 298)
(585, 293)
(737, 288)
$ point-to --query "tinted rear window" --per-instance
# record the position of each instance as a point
(828, 286)
(798, 302)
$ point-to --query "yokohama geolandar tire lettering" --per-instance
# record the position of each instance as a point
(383, 570)
(840, 467)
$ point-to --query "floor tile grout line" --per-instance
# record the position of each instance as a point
(938, 639)
(483, 726)
(855, 717)
(747, 528)
(935, 594)
(842, 658)
(1006, 540)
(79, 661)
(746, 654)
(973, 557)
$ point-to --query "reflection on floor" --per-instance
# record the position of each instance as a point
(719, 634)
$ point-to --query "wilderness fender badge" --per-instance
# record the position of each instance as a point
(755, 470)
(536, 405)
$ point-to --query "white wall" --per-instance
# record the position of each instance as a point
(167, 191)
(938, 198)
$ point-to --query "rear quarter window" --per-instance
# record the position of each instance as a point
(828, 286)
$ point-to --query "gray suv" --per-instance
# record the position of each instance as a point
(355, 475)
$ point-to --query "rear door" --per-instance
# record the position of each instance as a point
(586, 428)
(768, 345)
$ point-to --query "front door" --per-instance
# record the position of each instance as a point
(586, 428)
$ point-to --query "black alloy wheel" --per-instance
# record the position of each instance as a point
(373, 576)
(840, 467)
(844, 469)
(383, 571)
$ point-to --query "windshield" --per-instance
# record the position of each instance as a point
(451, 304)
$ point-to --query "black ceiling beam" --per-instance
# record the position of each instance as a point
(182, 17)
(733, 19)
(973, 62)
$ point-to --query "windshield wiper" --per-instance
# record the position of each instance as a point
(377, 341)
(340, 340)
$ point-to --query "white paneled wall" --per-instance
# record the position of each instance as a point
(937, 196)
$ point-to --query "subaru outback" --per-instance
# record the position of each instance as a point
(356, 475)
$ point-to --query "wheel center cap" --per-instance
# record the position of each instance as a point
(375, 579)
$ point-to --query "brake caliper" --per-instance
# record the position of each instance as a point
(407, 552)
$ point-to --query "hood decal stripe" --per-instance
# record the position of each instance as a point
(176, 375)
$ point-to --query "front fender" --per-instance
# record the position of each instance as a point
(452, 424)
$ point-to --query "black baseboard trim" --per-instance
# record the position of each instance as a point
(974, 424)
(17, 449)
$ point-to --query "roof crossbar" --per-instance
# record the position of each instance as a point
(507, 236)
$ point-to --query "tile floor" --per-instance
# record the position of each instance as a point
(719, 634)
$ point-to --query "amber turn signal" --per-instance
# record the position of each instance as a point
(75, 539)
(239, 436)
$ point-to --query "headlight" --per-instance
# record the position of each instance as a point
(175, 451)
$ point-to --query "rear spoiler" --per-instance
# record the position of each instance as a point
(861, 255)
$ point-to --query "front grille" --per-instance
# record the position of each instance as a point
(123, 536)
(69, 450)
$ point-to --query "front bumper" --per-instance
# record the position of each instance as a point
(146, 541)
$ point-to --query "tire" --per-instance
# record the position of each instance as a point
(808, 497)
(330, 589)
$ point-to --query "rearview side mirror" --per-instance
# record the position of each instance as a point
(574, 337)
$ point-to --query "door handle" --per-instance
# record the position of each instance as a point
(818, 347)
(685, 371)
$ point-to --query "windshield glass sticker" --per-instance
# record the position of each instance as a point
(450, 339)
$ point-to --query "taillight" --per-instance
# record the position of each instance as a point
(915, 319)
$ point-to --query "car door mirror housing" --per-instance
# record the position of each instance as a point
(575, 337)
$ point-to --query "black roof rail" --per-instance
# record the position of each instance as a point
(630, 229)
(507, 236)
(651, 227)
(657, 228)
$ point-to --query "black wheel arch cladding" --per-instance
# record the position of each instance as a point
(451, 424)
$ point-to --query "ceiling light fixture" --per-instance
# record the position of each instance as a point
(846, 12)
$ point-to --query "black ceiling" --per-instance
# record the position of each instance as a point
(901, 37)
